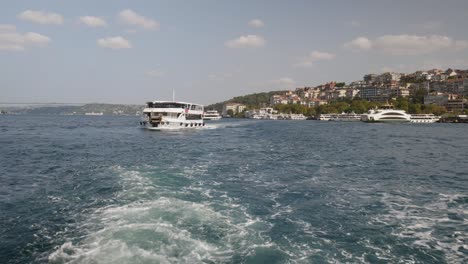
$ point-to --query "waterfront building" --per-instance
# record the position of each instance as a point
(234, 107)
(439, 98)
(316, 102)
(375, 93)
(278, 99)
(338, 94)
(400, 92)
(456, 105)
(351, 93)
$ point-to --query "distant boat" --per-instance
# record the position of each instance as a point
(165, 115)
(325, 117)
(424, 118)
(94, 114)
(386, 114)
(211, 115)
(346, 117)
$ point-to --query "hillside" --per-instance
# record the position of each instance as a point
(255, 100)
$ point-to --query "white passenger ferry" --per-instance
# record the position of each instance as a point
(211, 115)
(428, 118)
(161, 115)
(346, 117)
(386, 114)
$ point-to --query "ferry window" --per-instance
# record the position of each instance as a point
(168, 105)
(193, 107)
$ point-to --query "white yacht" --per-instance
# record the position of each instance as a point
(211, 115)
(325, 117)
(424, 118)
(94, 114)
(296, 117)
(162, 115)
(386, 114)
(346, 117)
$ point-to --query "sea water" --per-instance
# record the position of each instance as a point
(98, 189)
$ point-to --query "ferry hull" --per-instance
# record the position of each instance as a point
(172, 125)
(212, 118)
(386, 121)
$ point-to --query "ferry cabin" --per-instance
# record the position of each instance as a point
(171, 114)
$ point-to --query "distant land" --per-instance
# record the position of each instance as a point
(105, 109)
(250, 100)
(433, 91)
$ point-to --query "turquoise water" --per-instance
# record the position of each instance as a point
(101, 190)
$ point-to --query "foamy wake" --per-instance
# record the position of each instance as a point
(164, 229)
(440, 224)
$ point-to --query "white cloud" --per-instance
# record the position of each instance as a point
(387, 69)
(317, 55)
(130, 17)
(256, 23)
(353, 23)
(284, 82)
(93, 21)
(314, 56)
(428, 26)
(461, 44)
(41, 17)
(406, 44)
(249, 41)
(215, 77)
(155, 73)
(114, 43)
(412, 44)
(357, 44)
(11, 40)
(7, 28)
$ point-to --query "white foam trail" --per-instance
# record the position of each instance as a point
(420, 223)
(159, 228)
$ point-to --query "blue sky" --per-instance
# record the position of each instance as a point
(115, 51)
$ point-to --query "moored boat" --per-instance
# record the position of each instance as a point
(211, 115)
(162, 115)
(346, 117)
(424, 118)
(325, 117)
(386, 114)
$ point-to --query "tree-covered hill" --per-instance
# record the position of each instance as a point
(255, 100)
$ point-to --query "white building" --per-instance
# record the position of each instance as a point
(234, 107)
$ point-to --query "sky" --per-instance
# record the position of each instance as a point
(115, 51)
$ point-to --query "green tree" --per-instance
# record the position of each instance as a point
(311, 111)
(434, 109)
(415, 109)
(358, 107)
(418, 97)
(402, 103)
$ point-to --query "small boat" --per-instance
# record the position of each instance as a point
(424, 118)
(386, 114)
(325, 117)
(211, 115)
(166, 115)
(346, 117)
